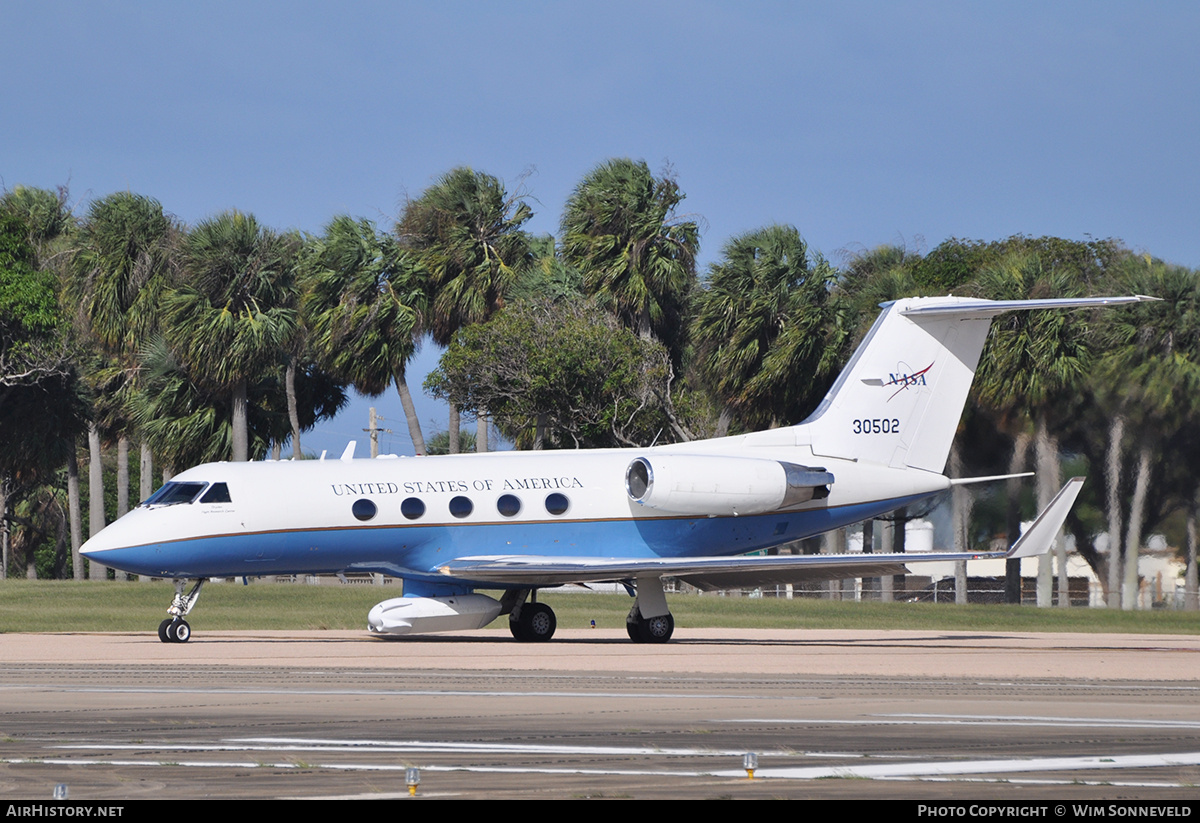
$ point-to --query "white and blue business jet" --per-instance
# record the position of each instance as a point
(521, 521)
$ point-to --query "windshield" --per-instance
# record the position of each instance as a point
(172, 493)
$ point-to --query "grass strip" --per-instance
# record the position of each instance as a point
(61, 606)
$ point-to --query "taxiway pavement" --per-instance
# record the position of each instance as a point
(834, 714)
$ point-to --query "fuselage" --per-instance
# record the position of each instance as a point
(407, 516)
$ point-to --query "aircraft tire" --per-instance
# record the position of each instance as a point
(656, 629)
(537, 623)
(162, 630)
(514, 626)
(182, 632)
(633, 630)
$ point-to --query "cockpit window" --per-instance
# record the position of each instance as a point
(217, 493)
(172, 493)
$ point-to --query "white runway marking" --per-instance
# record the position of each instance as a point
(966, 767)
(287, 744)
(976, 720)
(621, 695)
(967, 770)
(939, 771)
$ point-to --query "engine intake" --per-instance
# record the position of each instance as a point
(712, 485)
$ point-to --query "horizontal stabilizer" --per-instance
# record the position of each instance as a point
(1039, 537)
(992, 478)
(990, 308)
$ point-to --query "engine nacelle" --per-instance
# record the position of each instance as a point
(714, 485)
(417, 615)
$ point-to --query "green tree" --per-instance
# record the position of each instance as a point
(558, 373)
(548, 277)
(620, 229)
(126, 255)
(765, 328)
(363, 303)
(466, 233)
(1033, 361)
(234, 312)
(1146, 384)
(48, 221)
(49, 226)
(189, 421)
(42, 407)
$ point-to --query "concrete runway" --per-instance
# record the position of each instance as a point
(831, 714)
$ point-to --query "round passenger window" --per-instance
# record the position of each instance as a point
(461, 506)
(412, 508)
(364, 509)
(508, 505)
(557, 503)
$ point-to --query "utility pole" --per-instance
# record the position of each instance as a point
(374, 430)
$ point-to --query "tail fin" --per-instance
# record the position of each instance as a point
(899, 399)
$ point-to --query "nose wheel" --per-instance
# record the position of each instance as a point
(175, 629)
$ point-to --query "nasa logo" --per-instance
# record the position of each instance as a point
(905, 378)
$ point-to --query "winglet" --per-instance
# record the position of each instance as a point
(1040, 535)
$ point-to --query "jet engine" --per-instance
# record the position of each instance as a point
(416, 615)
(715, 485)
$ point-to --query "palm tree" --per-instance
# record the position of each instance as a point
(762, 327)
(188, 421)
(48, 220)
(126, 253)
(620, 229)
(235, 311)
(1151, 376)
(465, 232)
(363, 302)
(1031, 362)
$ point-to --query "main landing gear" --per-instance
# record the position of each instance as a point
(531, 622)
(649, 620)
(175, 629)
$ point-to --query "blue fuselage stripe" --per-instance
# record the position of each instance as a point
(417, 551)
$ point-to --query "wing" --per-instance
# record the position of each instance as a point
(711, 573)
(703, 572)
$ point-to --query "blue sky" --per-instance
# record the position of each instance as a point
(860, 123)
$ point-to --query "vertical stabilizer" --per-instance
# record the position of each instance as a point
(899, 400)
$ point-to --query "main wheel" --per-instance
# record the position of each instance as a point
(514, 626)
(656, 629)
(182, 632)
(631, 628)
(537, 623)
(162, 630)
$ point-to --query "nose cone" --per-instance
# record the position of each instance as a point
(107, 539)
(120, 545)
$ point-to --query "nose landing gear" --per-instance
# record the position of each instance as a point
(175, 629)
